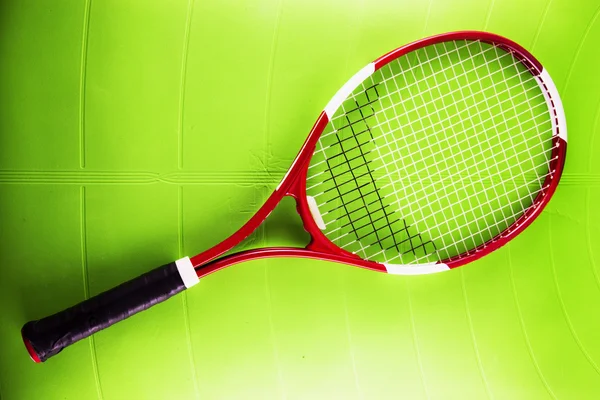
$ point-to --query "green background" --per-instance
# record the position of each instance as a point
(134, 132)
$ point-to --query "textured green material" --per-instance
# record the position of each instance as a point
(134, 132)
(434, 154)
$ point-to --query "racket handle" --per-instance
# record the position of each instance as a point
(48, 336)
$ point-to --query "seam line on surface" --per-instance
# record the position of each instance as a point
(586, 32)
(524, 330)
(184, 303)
(593, 138)
(86, 282)
(350, 346)
(190, 348)
(178, 178)
(536, 36)
(589, 239)
(563, 308)
(415, 343)
(472, 332)
(182, 81)
(427, 16)
(269, 88)
(280, 380)
(489, 14)
(82, 82)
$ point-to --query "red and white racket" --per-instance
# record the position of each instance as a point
(430, 157)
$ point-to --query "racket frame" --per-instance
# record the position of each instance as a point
(294, 181)
(48, 336)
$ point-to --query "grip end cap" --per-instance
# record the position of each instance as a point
(32, 354)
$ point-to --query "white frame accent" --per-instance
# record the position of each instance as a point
(552, 95)
(416, 269)
(314, 211)
(187, 272)
(347, 89)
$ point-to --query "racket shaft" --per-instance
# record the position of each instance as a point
(48, 336)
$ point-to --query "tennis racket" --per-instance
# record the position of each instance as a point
(428, 158)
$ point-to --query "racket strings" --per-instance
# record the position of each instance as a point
(430, 146)
(464, 178)
(451, 144)
(373, 222)
(439, 123)
(429, 61)
(506, 221)
(445, 173)
(377, 225)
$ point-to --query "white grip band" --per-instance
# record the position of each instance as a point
(187, 272)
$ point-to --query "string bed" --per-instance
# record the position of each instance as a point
(435, 154)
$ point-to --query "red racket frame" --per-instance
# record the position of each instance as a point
(294, 184)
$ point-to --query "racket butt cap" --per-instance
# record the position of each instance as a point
(32, 354)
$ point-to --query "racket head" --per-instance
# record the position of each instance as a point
(501, 145)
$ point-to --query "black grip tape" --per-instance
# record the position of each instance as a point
(48, 336)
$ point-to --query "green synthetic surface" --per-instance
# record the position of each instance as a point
(134, 132)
